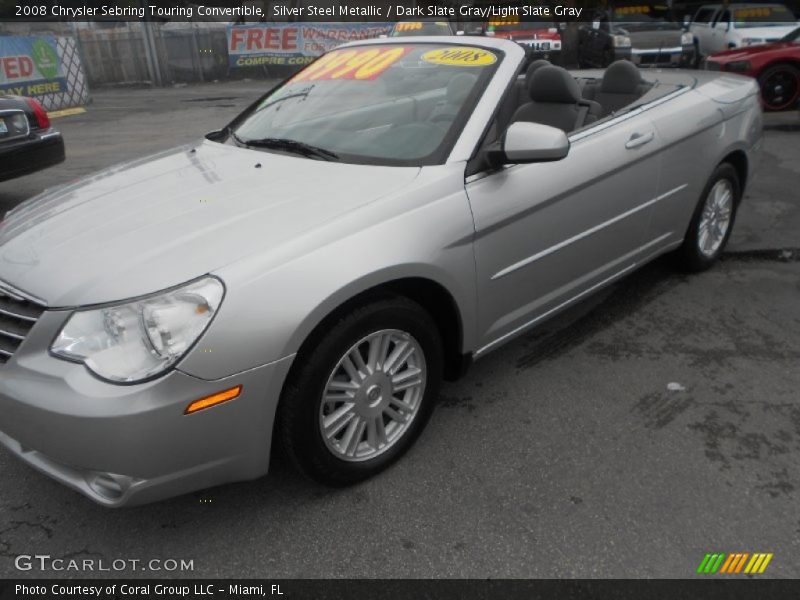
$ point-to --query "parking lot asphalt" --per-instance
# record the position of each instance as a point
(658, 421)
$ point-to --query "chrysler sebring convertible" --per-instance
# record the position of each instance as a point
(307, 275)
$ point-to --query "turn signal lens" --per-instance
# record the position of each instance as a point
(213, 400)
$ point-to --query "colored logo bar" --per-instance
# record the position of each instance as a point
(737, 562)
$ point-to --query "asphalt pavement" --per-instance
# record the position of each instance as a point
(658, 421)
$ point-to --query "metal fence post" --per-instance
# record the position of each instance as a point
(151, 55)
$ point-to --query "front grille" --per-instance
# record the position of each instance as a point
(18, 315)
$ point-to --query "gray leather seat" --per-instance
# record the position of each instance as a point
(518, 94)
(458, 88)
(535, 66)
(621, 85)
(555, 100)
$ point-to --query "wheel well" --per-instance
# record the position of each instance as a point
(780, 61)
(738, 160)
(431, 296)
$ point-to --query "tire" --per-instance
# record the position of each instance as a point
(320, 387)
(780, 87)
(712, 221)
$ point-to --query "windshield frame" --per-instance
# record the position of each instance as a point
(792, 36)
(439, 156)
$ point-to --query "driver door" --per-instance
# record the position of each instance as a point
(549, 233)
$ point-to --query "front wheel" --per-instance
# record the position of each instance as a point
(712, 221)
(780, 87)
(357, 400)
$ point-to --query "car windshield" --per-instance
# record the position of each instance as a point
(413, 28)
(762, 16)
(390, 104)
(643, 18)
(794, 36)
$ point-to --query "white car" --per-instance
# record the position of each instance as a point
(719, 27)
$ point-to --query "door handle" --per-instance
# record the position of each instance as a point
(639, 139)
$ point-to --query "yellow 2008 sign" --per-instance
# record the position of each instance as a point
(460, 56)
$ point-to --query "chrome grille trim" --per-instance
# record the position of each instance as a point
(19, 312)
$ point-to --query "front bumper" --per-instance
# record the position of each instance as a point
(677, 57)
(131, 444)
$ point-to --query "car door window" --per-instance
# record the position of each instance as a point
(703, 16)
(723, 18)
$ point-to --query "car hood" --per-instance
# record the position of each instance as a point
(151, 224)
(747, 51)
(769, 32)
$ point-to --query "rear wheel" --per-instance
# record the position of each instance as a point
(712, 221)
(780, 87)
(358, 400)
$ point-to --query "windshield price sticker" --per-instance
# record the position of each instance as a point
(504, 21)
(361, 64)
(756, 13)
(632, 10)
(408, 26)
(460, 56)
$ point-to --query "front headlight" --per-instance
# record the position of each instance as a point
(622, 41)
(687, 39)
(140, 339)
(738, 66)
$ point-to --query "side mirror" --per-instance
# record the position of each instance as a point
(216, 136)
(528, 143)
(595, 24)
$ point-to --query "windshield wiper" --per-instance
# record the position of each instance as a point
(289, 145)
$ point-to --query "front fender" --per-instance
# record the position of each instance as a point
(275, 299)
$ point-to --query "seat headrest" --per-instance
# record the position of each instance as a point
(459, 87)
(621, 77)
(553, 84)
(535, 66)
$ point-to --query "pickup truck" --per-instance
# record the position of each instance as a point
(720, 27)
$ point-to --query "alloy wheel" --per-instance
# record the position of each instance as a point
(715, 219)
(372, 395)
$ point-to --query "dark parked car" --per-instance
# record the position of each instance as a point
(645, 34)
(27, 141)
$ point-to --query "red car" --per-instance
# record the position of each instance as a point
(776, 66)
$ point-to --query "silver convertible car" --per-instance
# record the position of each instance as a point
(308, 275)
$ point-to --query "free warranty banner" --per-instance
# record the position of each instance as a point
(30, 66)
(292, 43)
